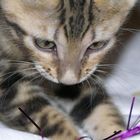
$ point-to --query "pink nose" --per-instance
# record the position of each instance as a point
(69, 78)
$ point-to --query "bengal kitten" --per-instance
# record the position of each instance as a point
(50, 53)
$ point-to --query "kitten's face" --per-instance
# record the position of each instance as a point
(67, 39)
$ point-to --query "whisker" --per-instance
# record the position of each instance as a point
(14, 72)
(136, 122)
(89, 85)
(107, 64)
(97, 77)
(20, 61)
(116, 78)
(94, 83)
(98, 81)
(91, 93)
(4, 97)
(35, 78)
(119, 80)
(23, 78)
(83, 85)
(130, 30)
(123, 69)
(101, 71)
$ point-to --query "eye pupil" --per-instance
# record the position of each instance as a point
(44, 44)
(98, 45)
(47, 42)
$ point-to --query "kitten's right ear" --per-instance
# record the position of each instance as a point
(48, 4)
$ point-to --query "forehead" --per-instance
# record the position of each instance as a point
(76, 16)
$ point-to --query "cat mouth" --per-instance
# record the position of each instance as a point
(47, 76)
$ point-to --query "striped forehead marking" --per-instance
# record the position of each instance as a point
(77, 16)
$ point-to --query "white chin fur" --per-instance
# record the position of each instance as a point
(43, 72)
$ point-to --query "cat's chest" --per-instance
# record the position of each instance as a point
(64, 104)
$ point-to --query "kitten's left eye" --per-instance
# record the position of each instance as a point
(98, 45)
(44, 44)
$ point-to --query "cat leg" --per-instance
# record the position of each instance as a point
(54, 123)
(98, 116)
(103, 121)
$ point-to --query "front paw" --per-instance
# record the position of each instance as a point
(66, 131)
(59, 126)
(101, 133)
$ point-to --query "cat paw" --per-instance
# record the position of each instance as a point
(59, 126)
(66, 131)
(109, 131)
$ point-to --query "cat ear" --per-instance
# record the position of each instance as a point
(118, 5)
(48, 4)
(132, 2)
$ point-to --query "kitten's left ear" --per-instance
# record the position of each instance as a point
(125, 4)
(131, 3)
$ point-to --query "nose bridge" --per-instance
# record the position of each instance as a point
(69, 68)
(71, 60)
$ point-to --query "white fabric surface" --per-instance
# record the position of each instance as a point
(123, 83)
(9, 134)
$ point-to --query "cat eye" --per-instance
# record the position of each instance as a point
(44, 44)
(98, 45)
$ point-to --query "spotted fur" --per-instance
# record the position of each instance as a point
(50, 84)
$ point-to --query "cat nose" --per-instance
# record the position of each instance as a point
(69, 78)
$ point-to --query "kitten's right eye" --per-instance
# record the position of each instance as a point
(44, 45)
(98, 45)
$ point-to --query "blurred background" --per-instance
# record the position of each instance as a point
(125, 77)
(124, 81)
